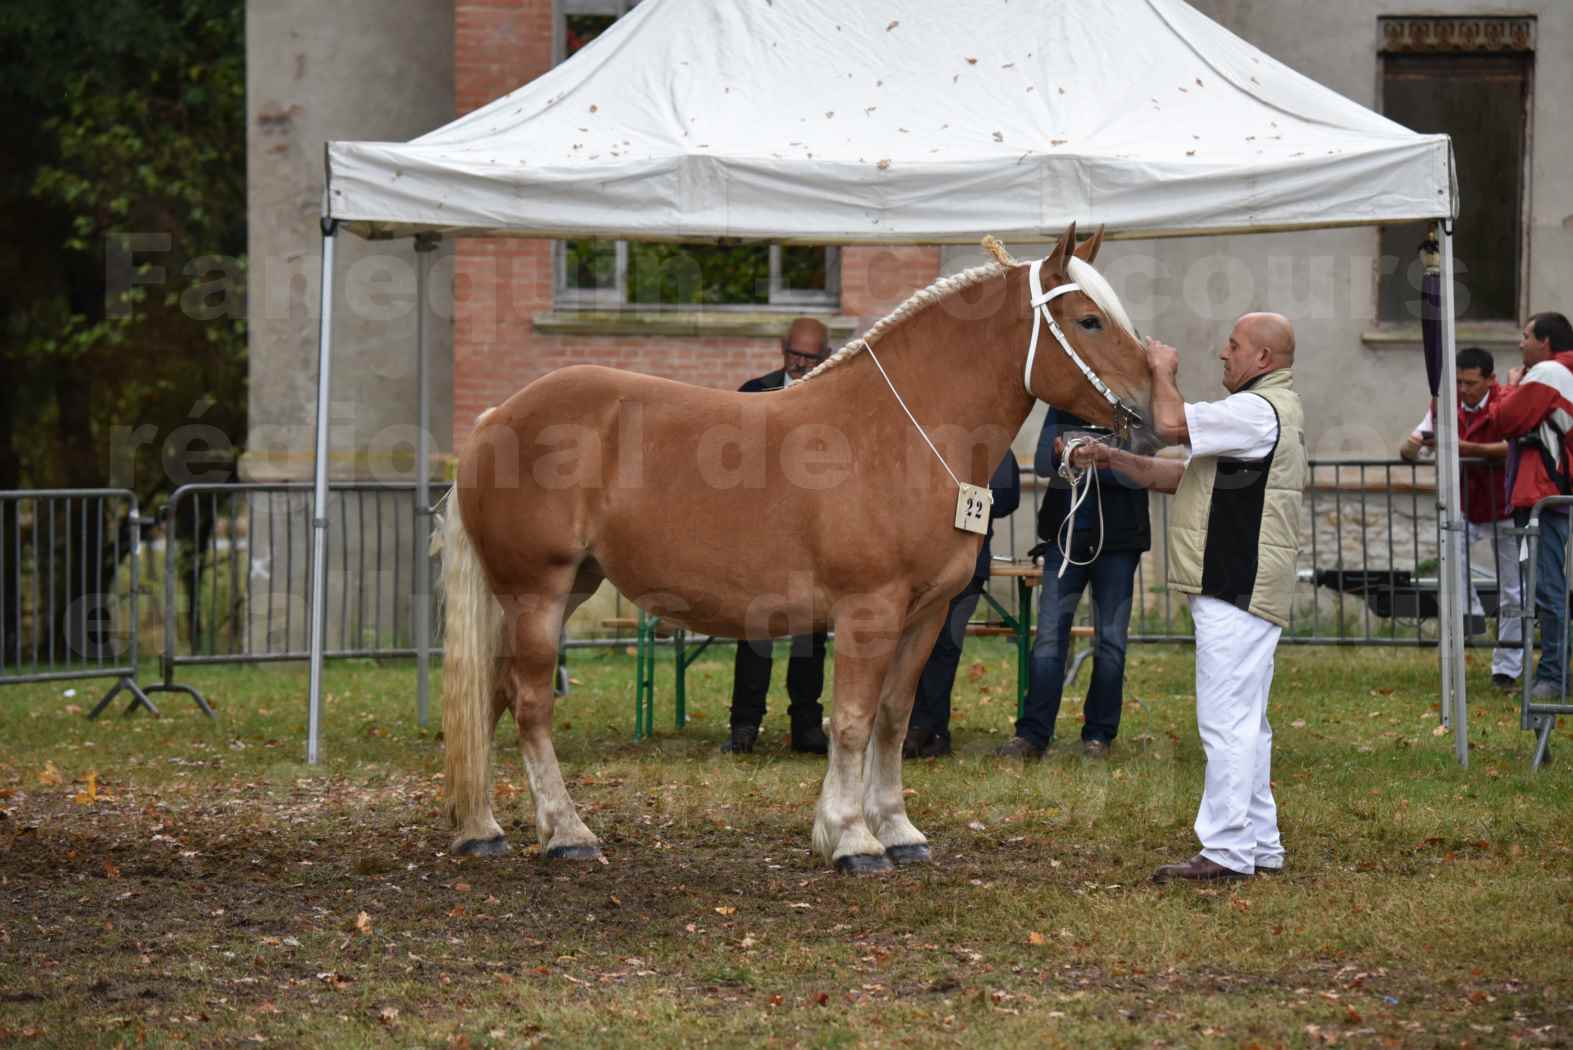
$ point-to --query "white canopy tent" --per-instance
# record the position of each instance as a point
(818, 122)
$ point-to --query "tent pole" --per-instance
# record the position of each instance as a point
(319, 517)
(425, 252)
(1454, 588)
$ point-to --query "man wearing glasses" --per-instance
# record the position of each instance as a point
(806, 345)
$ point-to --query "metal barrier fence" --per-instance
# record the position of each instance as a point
(237, 569)
(1539, 713)
(70, 563)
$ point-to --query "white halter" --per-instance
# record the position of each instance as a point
(1124, 415)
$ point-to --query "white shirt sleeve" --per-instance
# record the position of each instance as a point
(1241, 426)
(1425, 427)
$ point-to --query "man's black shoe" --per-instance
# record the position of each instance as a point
(937, 746)
(1504, 682)
(810, 739)
(916, 740)
(1020, 747)
(741, 741)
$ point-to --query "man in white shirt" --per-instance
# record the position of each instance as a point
(1487, 512)
(1233, 538)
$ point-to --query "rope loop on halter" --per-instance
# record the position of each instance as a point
(1082, 481)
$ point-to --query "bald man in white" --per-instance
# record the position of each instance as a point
(1233, 540)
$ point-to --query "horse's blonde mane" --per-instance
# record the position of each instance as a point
(919, 300)
(1093, 283)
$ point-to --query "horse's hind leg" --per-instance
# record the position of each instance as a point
(536, 627)
(883, 805)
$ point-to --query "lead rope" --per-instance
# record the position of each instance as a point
(1082, 481)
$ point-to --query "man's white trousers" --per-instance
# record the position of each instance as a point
(1238, 819)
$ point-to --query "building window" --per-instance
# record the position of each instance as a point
(616, 274)
(1470, 78)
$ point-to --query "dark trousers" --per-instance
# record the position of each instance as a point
(1112, 575)
(931, 706)
(805, 680)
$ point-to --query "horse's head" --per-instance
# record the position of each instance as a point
(1089, 344)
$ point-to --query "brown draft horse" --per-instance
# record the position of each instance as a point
(760, 516)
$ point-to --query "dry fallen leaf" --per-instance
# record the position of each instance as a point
(363, 923)
(726, 909)
(110, 871)
(50, 774)
(1034, 937)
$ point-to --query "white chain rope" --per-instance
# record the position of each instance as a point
(1083, 480)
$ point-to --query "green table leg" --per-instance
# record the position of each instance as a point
(680, 692)
(644, 677)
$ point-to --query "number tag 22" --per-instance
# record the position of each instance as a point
(972, 509)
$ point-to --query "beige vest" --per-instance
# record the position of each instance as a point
(1234, 525)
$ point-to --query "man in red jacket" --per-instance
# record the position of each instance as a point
(1538, 412)
(1486, 507)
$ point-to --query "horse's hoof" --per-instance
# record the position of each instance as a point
(864, 864)
(495, 846)
(914, 853)
(574, 853)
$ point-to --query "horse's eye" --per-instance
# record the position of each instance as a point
(1091, 324)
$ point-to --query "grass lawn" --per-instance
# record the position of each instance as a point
(173, 881)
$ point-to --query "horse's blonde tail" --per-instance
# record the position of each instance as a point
(473, 625)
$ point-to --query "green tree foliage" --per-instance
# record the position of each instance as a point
(123, 191)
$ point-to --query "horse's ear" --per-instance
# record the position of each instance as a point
(1061, 254)
(1087, 251)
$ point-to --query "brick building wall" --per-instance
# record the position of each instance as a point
(501, 286)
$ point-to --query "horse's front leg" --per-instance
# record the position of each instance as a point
(884, 807)
(866, 641)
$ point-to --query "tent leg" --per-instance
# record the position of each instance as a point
(1454, 694)
(425, 251)
(319, 517)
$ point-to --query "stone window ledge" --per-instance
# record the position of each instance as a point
(1495, 336)
(735, 324)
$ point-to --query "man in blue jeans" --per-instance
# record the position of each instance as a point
(1126, 533)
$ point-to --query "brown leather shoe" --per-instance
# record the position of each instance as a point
(1095, 748)
(1197, 869)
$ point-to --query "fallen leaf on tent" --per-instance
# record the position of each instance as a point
(50, 774)
(884, 164)
(972, 61)
(892, 25)
(999, 136)
(363, 923)
(726, 909)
